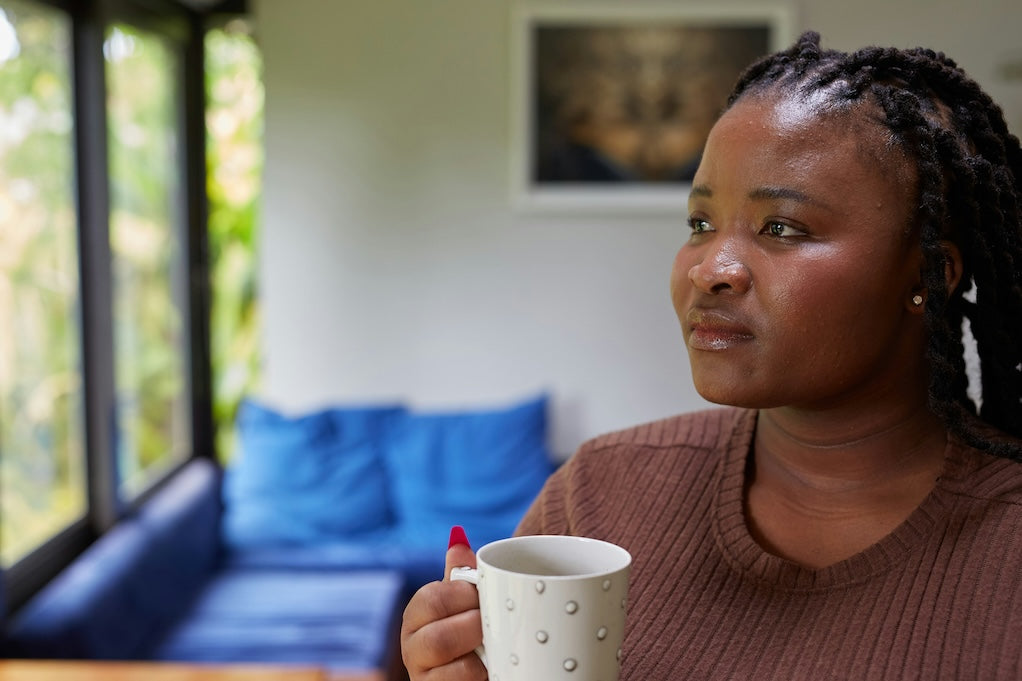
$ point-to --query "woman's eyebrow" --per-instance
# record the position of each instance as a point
(785, 193)
(701, 190)
(764, 193)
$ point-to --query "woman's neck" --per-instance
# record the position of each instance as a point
(821, 489)
(857, 450)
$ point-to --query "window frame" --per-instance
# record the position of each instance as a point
(184, 28)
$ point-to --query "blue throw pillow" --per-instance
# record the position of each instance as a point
(312, 478)
(479, 469)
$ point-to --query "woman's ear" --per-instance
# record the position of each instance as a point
(952, 276)
(952, 265)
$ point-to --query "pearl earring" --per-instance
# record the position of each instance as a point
(917, 300)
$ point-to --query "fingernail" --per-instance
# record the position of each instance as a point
(458, 537)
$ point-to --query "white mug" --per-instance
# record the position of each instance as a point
(553, 607)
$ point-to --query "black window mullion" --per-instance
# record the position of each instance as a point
(97, 282)
(196, 215)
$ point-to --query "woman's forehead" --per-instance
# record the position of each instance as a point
(801, 123)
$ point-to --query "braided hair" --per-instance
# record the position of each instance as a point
(969, 192)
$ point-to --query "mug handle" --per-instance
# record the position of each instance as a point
(470, 575)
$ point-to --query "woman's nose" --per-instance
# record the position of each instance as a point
(721, 270)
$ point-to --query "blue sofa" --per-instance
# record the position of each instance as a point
(155, 587)
(304, 550)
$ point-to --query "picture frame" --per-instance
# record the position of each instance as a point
(611, 103)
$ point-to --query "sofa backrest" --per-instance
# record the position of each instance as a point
(383, 476)
(117, 598)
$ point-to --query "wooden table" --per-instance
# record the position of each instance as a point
(74, 670)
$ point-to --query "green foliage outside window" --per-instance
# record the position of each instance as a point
(42, 450)
(234, 125)
(147, 256)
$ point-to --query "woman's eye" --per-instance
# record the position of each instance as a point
(699, 225)
(780, 229)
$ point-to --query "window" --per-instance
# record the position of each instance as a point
(234, 124)
(146, 239)
(42, 449)
(104, 359)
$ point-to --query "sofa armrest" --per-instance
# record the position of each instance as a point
(120, 595)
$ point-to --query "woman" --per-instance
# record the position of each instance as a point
(851, 514)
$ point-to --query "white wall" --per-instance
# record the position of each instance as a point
(393, 266)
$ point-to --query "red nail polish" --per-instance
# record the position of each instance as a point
(458, 537)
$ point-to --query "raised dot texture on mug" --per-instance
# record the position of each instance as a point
(606, 585)
(542, 636)
(570, 665)
(514, 659)
(540, 587)
(571, 607)
(601, 633)
(509, 604)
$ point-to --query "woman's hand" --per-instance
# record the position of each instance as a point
(442, 626)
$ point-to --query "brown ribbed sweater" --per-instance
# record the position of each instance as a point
(938, 598)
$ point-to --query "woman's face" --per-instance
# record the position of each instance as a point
(796, 284)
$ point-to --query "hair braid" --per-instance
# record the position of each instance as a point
(969, 169)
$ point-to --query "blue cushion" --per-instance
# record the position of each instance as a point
(476, 468)
(337, 620)
(307, 479)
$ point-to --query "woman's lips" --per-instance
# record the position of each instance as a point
(716, 332)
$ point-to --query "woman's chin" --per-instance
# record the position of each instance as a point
(730, 395)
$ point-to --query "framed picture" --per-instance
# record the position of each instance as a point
(613, 103)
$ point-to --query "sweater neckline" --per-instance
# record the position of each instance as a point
(744, 554)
